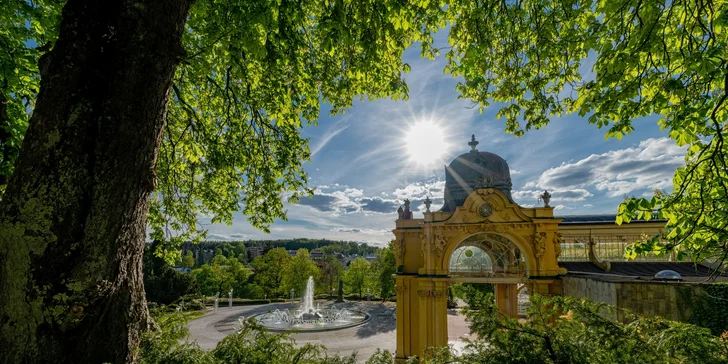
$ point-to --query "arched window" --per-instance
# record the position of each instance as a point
(487, 255)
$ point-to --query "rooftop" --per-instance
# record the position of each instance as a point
(597, 219)
(639, 271)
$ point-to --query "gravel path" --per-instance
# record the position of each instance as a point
(379, 332)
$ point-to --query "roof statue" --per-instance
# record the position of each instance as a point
(546, 198)
(474, 170)
(406, 214)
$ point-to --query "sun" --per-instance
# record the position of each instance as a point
(426, 143)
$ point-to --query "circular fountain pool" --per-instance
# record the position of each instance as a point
(320, 319)
(310, 318)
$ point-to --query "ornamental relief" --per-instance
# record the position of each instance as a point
(488, 226)
(440, 243)
(430, 293)
(558, 240)
(423, 245)
(400, 289)
(399, 249)
(539, 246)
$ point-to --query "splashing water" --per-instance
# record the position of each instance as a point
(307, 300)
(310, 317)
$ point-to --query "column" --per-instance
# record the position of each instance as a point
(506, 298)
(406, 317)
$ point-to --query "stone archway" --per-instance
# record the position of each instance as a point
(508, 267)
(522, 239)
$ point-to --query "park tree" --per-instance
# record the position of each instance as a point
(239, 276)
(216, 278)
(358, 276)
(270, 271)
(219, 258)
(22, 23)
(331, 271)
(188, 260)
(212, 279)
(385, 267)
(162, 283)
(301, 267)
(152, 113)
(662, 58)
(200, 257)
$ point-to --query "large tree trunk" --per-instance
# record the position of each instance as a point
(73, 217)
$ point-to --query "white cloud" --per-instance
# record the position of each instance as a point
(577, 194)
(221, 237)
(333, 199)
(363, 231)
(321, 142)
(420, 190)
(336, 202)
(649, 165)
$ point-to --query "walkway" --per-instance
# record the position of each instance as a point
(379, 332)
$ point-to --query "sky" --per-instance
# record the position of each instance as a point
(365, 162)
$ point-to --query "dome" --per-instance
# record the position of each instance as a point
(668, 275)
(474, 170)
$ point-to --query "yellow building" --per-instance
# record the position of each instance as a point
(518, 248)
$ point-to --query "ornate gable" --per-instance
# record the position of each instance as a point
(487, 205)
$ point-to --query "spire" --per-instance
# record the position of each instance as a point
(473, 143)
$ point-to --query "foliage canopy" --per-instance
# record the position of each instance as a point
(256, 72)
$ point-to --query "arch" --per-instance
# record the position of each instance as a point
(506, 256)
(479, 261)
(517, 241)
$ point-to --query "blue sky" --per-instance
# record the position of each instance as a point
(362, 171)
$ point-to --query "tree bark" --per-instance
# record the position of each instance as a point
(73, 217)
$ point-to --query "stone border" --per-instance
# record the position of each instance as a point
(366, 319)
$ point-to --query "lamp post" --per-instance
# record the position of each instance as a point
(217, 299)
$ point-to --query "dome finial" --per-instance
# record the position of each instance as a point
(473, 143)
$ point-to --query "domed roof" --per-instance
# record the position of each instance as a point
(474, 170)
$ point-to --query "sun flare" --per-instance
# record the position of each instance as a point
(425, 141)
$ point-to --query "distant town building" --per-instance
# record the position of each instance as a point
(342, 258)
(255, 251)
(318, 254)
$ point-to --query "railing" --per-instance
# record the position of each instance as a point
(606, 248)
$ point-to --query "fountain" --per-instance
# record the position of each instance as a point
(309, 317)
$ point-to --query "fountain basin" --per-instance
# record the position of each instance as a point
(309, 317)
(322, 320)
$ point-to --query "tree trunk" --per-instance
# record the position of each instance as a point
(5, 149)
(73, 217)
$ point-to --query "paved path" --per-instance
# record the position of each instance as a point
(379, 332)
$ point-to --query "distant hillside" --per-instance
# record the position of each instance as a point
(204, 251)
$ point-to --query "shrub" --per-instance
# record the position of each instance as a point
(573, 330)
(193, 305)
(168, 343)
